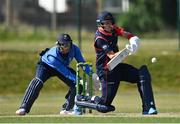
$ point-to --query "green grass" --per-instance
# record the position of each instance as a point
(84, 119)
(128, 109)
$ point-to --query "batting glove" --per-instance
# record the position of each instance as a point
(134, 44)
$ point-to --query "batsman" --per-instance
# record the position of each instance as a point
(106, 47)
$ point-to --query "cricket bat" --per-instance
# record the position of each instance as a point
(118, 58)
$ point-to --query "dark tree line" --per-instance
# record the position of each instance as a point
(150, 15)
(143, 16)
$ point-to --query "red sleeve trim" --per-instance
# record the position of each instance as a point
(119, 31)
(130, 35)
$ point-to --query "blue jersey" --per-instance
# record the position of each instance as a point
(60, 62)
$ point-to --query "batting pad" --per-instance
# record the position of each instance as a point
(98, 107)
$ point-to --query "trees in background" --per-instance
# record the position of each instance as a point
(143, 15)
(149, 15)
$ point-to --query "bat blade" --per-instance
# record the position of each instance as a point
(118, 58)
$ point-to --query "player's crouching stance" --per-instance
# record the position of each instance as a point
(106, 48)
(55, 62)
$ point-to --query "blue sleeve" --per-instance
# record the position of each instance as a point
(79, 58)
(61, 68)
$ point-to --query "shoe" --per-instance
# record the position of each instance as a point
(64, 112)
(74, 112)
(21, 111)
(151, 111)
(77, 110)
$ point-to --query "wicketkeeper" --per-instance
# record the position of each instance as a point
(54, 61)
(106, 47)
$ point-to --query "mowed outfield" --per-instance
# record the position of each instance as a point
(128, 109)
(127, 102)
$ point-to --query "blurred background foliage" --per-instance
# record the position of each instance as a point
(27, 20)
(150, 16)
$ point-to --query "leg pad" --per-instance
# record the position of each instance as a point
(98, 107)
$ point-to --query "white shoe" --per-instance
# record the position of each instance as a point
(64, 112)
(151, 111)
(76, 111)
(21, 111)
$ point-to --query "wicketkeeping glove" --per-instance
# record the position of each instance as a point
(134, 44)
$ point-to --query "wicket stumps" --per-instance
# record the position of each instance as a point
(87, 83)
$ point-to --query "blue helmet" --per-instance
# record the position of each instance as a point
(64, 40)
(103, 17)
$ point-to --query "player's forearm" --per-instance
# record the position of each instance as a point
(122, 32)
(127, 35)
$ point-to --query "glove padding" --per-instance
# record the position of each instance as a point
(97, 83)
(134, 44)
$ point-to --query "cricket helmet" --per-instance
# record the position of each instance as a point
(104, 16)
(64, 40)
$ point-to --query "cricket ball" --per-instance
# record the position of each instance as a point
(153, 59)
